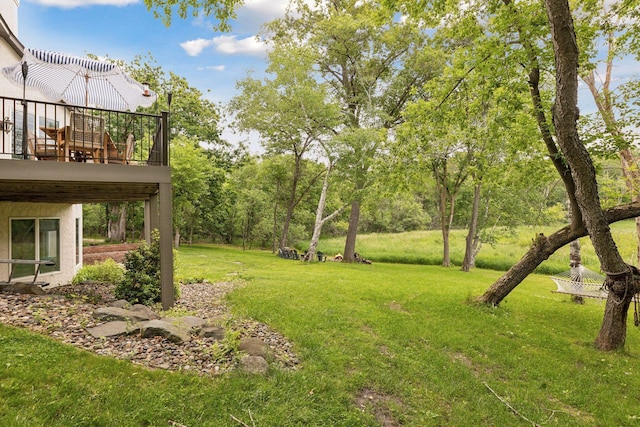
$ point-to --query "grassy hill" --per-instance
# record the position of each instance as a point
(425, 247)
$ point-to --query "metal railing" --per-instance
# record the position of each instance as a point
(38, 130)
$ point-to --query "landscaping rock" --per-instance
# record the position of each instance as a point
(253, 346)
(145, 312)
(187, 322)
(115, 313)
(155, 328)
(215, 332)
(121, 303)
(22, 288)
(113, 329)
(254, 365)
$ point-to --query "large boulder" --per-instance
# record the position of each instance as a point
(154, 328)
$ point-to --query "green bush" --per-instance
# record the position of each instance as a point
(141, 282)
(108, 271)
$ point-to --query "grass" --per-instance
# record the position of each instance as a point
(425, 247)
(382, 343)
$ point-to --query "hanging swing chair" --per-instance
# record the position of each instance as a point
(581, 282)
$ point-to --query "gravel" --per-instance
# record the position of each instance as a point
(66, 311)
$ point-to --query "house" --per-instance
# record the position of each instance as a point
(55, 156)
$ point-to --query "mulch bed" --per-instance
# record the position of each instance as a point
(99, 253)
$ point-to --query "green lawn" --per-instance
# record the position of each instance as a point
(382, 343)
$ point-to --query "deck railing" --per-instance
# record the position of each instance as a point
(38, 130)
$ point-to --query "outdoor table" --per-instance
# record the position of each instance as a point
(65, 147)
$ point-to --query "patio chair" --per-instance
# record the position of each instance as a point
(85, 136)
(120, 153)
(42, 148)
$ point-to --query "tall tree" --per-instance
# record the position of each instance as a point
(373, 63)
(615, 129)
(620, 279)
(290, 110)
(190, 169)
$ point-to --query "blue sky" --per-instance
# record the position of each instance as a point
(121, 29)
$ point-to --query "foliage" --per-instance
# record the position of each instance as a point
(222, 10)
(93, 220)
(141, 282)
(190, 172)
(108, 271)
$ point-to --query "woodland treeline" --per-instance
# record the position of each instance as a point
(392, 126)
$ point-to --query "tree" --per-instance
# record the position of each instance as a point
(373, 63)
(615, 129)
(438, 147)
(620, 279)
(190, 169)
(291, 111)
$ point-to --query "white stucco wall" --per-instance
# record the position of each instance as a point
(67, 215)
(9, 11)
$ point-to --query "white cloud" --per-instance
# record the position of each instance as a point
(231, 45)
(212, 68)
(267, 8)
(195, 47)
(69, 4)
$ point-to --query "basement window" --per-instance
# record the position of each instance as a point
(38, 239)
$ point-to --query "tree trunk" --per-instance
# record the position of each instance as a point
(619, 281)
(543, 248)
(352, 231)
(176, 238)
(575, 265)
(117, 224)
(444, 227)
(472, 235)
(274, 243)
(317, 226)
(291, 204)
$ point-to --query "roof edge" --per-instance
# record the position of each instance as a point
(10, 38)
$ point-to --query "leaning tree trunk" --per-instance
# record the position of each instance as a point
(317, 226)
(619, 277)
(543, 248)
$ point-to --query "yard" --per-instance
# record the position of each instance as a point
(379, 345)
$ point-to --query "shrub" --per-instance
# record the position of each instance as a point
(141, 282)
(108, 271)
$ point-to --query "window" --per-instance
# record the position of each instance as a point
(35, 236)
